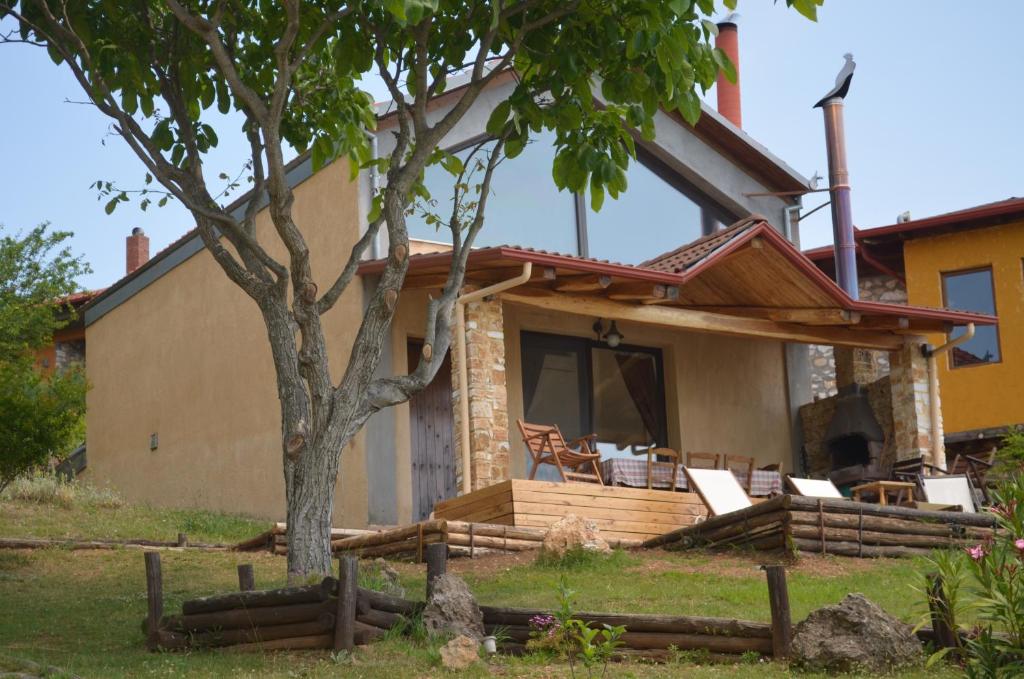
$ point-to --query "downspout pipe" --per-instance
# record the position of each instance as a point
(463, 376)
(938, 446)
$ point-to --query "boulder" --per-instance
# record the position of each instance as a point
(855, 635)
(452, 610)
(572, 532)
(459, 653)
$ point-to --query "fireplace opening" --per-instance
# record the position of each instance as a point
(850, 450)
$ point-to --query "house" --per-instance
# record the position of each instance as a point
(970, 259)
(648, 322)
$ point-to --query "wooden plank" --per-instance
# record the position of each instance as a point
(668, 519)
(485, 513)
(703, 321)
(605, 491)
(503, 487)
(636, 528)
(621, 503)
(480, 506)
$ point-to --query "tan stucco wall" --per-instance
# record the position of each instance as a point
(187, 358)
(723, 394)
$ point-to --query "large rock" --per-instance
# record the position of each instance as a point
(459, 653)
(855, 635)
(572, 532)
(452, 609)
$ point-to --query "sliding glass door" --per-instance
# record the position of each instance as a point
(586, 387)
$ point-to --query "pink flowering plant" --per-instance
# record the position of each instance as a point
(562, 633)
(985, 582)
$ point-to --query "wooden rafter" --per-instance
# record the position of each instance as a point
(704, 321)
(806, 316)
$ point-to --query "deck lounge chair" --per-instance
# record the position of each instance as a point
(718, 489)
(955, 489)
(815, 488)
(743, 465)
(574, 460)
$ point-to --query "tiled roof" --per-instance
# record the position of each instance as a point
(682, 258)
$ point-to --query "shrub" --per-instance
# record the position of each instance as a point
(1010, 456)
(47, 489)
(987, 580)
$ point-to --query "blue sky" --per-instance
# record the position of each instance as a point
(932, 121)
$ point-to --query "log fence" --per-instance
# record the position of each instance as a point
(814, 525)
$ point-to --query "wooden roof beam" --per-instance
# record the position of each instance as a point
(587, 283)
(704, 321)
(806, 316)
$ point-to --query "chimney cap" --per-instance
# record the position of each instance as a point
(730, 19)
(137, 231)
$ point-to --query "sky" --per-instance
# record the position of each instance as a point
(933, 121)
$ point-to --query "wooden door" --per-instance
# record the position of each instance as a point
(433, 448)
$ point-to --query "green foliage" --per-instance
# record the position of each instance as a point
(1010, 456)
(579, 559)
(40, 414)
(37, 270)
(48, 489)
(987, 581)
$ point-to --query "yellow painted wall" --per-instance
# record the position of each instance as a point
(187, 358)
(723, 394)
(982, 396)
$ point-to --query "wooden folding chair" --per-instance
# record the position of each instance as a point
(823, 488)
(976, 468)
(741, 463)
(674, 459)
(692, 460)
(718, 489)
(547, 446)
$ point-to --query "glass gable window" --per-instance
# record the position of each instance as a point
(659, 211)
(586, 387)
(972, 291)
(650, 218)
(524, 208)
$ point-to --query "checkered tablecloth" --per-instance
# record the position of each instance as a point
(620, 471)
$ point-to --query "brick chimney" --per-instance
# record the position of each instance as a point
(136, 250)
(728, 41)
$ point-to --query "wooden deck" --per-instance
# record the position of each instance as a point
(620, 513)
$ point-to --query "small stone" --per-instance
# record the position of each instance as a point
(571, 532)
(459, 653)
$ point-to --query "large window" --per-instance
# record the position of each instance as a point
(972, 291)
(586, 387)
(524, 208)
(658, 212)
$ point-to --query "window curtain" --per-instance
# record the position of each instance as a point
(639, 373)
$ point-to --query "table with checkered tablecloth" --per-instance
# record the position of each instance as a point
(620, 471)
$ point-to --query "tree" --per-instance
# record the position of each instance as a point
(40, 414)
(292, 69)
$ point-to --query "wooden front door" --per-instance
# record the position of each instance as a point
(433, 448)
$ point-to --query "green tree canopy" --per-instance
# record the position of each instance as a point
(41, 414)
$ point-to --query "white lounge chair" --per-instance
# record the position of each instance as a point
(815, 488)
(950, 490)
(718, 488)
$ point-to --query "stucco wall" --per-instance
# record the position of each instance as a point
(989, 395)
(723, 394)
(187, 359)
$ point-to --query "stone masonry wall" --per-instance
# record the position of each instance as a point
(911, 404)
(823, 363)
(488, 397)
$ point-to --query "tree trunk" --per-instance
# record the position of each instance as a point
(309, 486)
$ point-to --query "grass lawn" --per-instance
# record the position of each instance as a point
(81, 610)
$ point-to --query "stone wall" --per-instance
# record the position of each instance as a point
(911, 405)
(488, 397)
(823, 360)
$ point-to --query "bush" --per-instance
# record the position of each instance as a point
(1010, 456)
(579, 559)
(987, 580)
(47, 489)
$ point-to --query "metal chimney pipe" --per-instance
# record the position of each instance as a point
(729, 93)
(839, 179)
(839, 187)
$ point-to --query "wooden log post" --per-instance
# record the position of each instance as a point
(246, 577)
(782, 623)
(941, 614)
(348, 588)
(182, 540)
(437, 564)
(154, 599)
